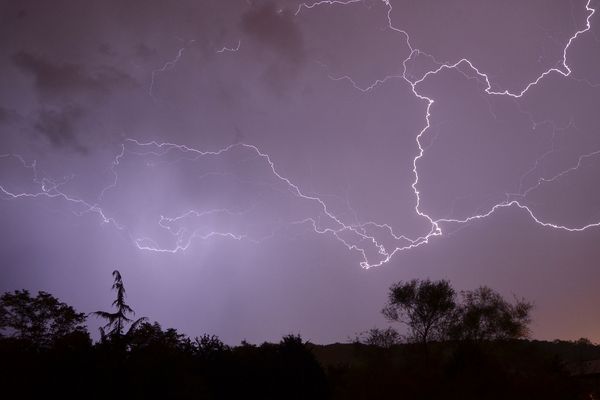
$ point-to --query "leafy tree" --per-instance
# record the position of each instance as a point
(118, 320)
(39, 320)
(209, 346)
(385, 338)
(425, 306)
(152, 336)
(485, 315)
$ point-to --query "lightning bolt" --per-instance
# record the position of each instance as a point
(51, 189)
(356, 236)
(230, 49)
(169, 65)
(564, 69)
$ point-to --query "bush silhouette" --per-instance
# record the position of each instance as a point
(39, 321)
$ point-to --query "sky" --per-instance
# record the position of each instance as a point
(258, 168)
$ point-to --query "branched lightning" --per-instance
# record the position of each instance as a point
(436, 230)
(356, 236)
(230, 49)
(51, 189)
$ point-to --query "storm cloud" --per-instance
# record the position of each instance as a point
(53, 80)
(60, 126)
(277, 34)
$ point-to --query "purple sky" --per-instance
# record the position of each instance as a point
(244, 163)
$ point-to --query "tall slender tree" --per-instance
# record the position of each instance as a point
(118, 320)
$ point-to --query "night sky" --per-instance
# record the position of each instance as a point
(258, 168)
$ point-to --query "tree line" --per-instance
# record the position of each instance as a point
(456, 346)
(431, 311)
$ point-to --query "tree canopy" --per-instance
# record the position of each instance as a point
(485, 315)
(425, 306)
(431, 312)
(39, 320)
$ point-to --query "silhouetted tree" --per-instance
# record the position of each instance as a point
(425, 306)
(152, 336)
(40, 320)
(118, 320)
(299, 374)
(485, 315)
(385, 338)
(208, 347)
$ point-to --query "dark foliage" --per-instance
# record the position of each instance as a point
(385, 338)
(118, 320)
(498, 370)
(431, 312)
(39, 321)
(59, 361)
(485, 315)
(425, 306)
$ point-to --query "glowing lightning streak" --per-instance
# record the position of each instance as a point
(359, 230)
(560, 174)
(167, 66)
(230, 49)
(181, 245)
(53, 192)
(293, 188)
(488, 90)
(565, 71)
(115, 164)
(327, 2)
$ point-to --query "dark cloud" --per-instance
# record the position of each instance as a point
(275, 30)
(59, 126)
(66, 79)
(60, 86)
(145, 52)
(107, 50)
